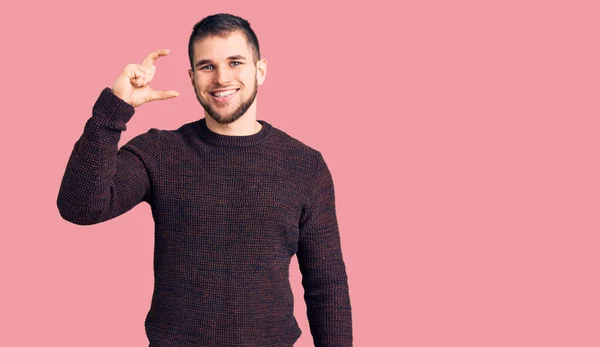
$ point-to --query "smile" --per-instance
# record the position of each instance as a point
(224, 96)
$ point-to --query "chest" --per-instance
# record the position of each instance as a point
(246, 201)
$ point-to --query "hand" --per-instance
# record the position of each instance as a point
(133, 85)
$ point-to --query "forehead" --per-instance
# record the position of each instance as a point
(221, 47)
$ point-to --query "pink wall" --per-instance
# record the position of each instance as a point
(462, 139)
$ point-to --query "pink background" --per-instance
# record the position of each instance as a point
(462, 138)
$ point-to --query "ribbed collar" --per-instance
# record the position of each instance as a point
(233, 140)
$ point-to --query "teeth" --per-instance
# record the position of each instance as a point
(224, 93)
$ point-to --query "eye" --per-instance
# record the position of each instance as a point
(205, 66)
(236, 62)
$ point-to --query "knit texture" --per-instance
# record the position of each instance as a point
(229, 212)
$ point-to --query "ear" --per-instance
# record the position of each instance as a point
(191, 73)
(261, 71)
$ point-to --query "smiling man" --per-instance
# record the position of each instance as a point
(233, 200)
(226, 84)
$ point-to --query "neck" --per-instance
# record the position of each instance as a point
(242, 126)
(224, 140)
(245, 125)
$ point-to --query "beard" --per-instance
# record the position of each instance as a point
(236, 114)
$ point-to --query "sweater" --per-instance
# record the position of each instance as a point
(229, 213)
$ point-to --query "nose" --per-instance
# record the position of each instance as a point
(222, 77)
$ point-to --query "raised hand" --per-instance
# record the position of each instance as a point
(133, 85)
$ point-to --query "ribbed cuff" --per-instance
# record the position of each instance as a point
(111, 111)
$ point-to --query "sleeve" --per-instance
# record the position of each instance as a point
(101, 181)
(322, 266)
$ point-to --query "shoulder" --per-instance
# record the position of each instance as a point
(162, 139)
(293, 146)
(149, 139)
(296, 154)
(154, 143)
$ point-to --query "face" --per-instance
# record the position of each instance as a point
(225, 77)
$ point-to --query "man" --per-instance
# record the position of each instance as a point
(233, 199)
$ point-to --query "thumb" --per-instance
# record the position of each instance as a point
(162, 94)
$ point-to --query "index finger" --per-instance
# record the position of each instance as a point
(151, 58)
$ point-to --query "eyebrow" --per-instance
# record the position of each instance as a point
(233, 57)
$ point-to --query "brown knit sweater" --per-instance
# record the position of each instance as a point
(229, 213)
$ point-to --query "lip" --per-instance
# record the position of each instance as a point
(222, 90)
(223, 99)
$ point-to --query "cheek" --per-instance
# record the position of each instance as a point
(200, 85)
(247, 76)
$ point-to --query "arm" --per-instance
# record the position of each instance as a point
(322, 266)
(101, 181)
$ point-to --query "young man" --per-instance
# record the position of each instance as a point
(233, 199)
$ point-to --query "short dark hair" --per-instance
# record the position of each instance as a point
(223, 24)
